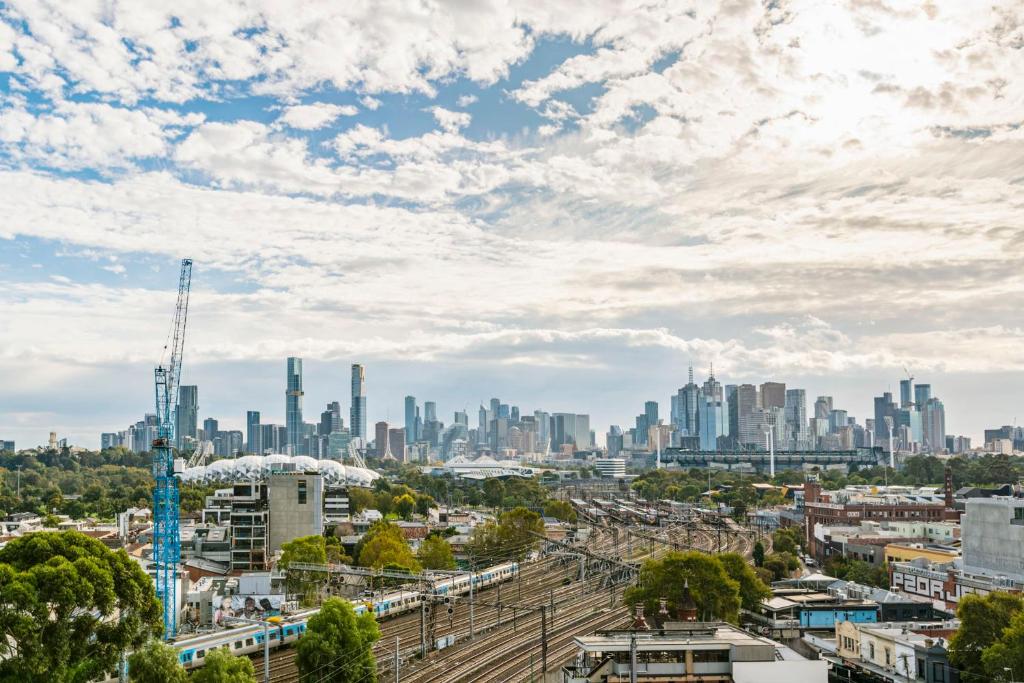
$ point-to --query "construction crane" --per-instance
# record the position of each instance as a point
(166, 539)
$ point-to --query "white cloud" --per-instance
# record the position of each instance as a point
(314, 116)
(450, 121)
(466, 100)
(371, 103)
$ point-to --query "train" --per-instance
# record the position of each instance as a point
(285, 630)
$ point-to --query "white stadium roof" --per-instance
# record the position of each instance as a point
(257, 467)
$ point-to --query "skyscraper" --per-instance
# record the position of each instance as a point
(933, 423)
(253, 432)
(330, 419)
(186, 418)
(773, 395)
(905, 389)
(410, 419)
(922, 392)
(688, 406)
(429, 411)
(210, 429)
(380, 442)
(796, 420)
(651, 412)
(357, 413)
(712, 388)
(746, 403)
(293, 407)
(823, 407)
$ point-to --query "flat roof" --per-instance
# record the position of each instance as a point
(702, 636)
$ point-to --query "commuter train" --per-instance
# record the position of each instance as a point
(192, 651)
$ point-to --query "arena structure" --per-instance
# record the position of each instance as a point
(257, 467)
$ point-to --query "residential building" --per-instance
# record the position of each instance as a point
(295, 507)
(396, 443)
(253, 433)
(773, 395)
(293, 407)
(186, 418)
(357, 411)
(611, 467)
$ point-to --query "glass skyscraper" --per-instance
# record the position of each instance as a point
(253, 432)
(293, 407)
(410, 419)
(186, 419)
(357, 413)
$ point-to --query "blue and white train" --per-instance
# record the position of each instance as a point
(192, 651)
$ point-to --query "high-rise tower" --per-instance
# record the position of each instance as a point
(293, 407)
(357, 413)
(186, 417)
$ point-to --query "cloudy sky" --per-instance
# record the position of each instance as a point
(561, 204)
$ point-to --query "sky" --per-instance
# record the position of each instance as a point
(559, 204)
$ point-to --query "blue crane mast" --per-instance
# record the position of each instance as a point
(166, 539)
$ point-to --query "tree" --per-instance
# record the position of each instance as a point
(752, 589)
(384, 544)
(494, 492)
(758, 554)
(436, 553)
(335, 551)
(560, 509)
(308, 549)
(337, 645)
(220, 666)
(360, 499)
(404, 506)
(781, 565)
(157, 662)
(70, 607)
(512, 537)
(1008, 651)
(717, 595)
(982, 620)
(786, 540)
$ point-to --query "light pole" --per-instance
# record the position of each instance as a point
(266, 642)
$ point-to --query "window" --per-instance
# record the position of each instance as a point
(1018, 514)
(302, 492)
(238, 645)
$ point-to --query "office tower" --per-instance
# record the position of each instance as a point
(837, 419)
(884, 407)
(905, 389)
(495, 407)
(484, 424)
(253, 432)
(641, 429)
(773, 395)
(796, 419)
(922, 392)
(186, 418)
(396, 443)
(688, 406)
(107, 440)
(613, 441)
(712, 388)
(933, 419)
(210, 429)
(564, 431)
(515, 414)
(410, 419)
(584, 437)
(543, 420)
(429, 411)
(293, 407)
(462, 418)
(823, 407)
(381, 439)
(747, 427)
(357, 413)
(330, 419)
(713, 423)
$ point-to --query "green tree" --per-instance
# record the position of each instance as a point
(384, 544)
(758, 554)
(1007, 652)
(752, 589)
(982, 620)
(404, 505)
(360, 499)
(864, 573)
(781, 565)
(156, 662)
(511, 537)
(335, 551)
(70, 608)
(717, 596)
(338, 645)
(560, 509)
(220, 666)
(307, 549)
(436, 553)
(786, 540)
(494, 492)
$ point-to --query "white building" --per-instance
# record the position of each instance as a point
(611, 467)
(993, 537)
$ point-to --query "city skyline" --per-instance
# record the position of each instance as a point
(654, 408)
(561, 205)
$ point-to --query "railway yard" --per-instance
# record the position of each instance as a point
(519, 626)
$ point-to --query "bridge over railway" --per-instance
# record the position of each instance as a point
(760, 461)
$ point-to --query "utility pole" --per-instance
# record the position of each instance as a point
(471, 577)
(543, 640)
(423, 629)
(632, 657)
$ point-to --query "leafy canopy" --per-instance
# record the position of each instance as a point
(384, 544)
(716, 594)
(338, 645)
(220, 666)
(70, 608)
(982, 623)
(436, 553)
(157, 662)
